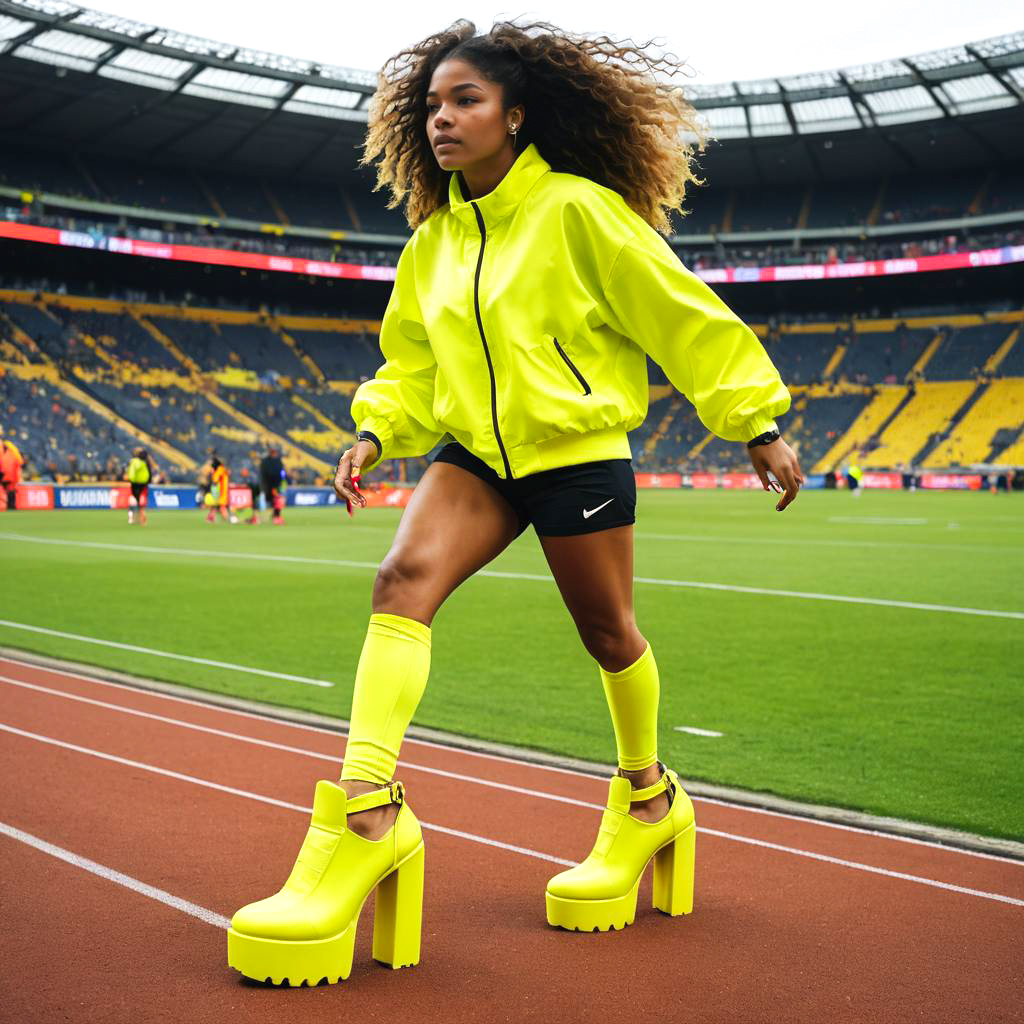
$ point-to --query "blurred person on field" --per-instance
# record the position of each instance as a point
(251, 479)
(220, 494)
(204, 482)
(139, 473)
(11, 462)
(272, 483)
(853, 478)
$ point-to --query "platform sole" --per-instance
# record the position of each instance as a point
(592, 915)
(672, 892)
(279, 961)
(396, 937)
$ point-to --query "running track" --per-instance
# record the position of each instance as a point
(794, 920)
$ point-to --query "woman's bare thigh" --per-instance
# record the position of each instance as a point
(455, 523)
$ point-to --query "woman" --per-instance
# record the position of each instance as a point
(536, 173)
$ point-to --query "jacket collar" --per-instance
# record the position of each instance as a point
(509, 193)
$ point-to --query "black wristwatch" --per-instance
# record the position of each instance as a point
(766, 438)
(366, 435)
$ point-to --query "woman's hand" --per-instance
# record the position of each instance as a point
(348, 467)
(781, 460)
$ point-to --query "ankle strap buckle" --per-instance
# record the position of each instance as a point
(647, 792)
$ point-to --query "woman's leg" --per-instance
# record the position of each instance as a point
(455, 523)
(594, 573)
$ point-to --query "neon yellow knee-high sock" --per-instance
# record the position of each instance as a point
(632, 696)
(390, 680)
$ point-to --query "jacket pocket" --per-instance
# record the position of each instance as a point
(568, 362)
(444, 399)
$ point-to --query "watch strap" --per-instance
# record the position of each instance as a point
(766, 438)
(367, 435)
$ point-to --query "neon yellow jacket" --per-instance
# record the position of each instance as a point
(520, 322)
(138, 471)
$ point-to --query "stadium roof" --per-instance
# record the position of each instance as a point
(959, 80)
(153, 91)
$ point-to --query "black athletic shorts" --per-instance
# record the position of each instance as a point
(561, 502)
(139, 491)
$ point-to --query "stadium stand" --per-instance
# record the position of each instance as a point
(929, 411)
(881, 356)
(999, 410)
(841, 204)
(285, 207)
(940, 392)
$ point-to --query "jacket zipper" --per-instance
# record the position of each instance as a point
(487, 351)
(569, 363)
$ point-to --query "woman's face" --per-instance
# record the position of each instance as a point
(465, 107)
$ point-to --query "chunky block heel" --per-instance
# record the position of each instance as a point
(600, 893)
(673, 874)
(306, 932)
(398, 915)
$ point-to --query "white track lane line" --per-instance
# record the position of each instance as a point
(164, 654)
(264, 799)
(291, 750)
(494, 574)
(507, 846)
(321, 730)
(115, 876)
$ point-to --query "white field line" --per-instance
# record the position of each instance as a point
(879, 520)
(539, 577)
(801, 542)
(321, 730)
(506, 846)
(699, 538)
(111, 875)
(164, 654)
(263, 799)
(694, 731)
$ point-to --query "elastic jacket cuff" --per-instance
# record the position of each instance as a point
(382, 434)
(758, 425)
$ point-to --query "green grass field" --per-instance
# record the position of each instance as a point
(887, 709)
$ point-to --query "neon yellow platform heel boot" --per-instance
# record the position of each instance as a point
(307, 930)
(600, 893)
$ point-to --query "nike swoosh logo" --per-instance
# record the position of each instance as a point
(587, 515)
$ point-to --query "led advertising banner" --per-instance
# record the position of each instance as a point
(33, 496)
(194, 253)
(659, 479)
(356, 271)
(91, 496)
(951, 481)
(890, 481)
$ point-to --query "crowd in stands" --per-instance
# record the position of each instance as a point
(847, 251)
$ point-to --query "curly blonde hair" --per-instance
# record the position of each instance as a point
(593, 108)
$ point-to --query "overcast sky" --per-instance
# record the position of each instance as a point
(721, 40)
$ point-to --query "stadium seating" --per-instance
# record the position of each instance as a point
(929, 411)
(938, 392)
(61, 436)
(882, 356)
(999, 409)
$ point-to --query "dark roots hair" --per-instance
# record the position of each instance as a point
(593, 108)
